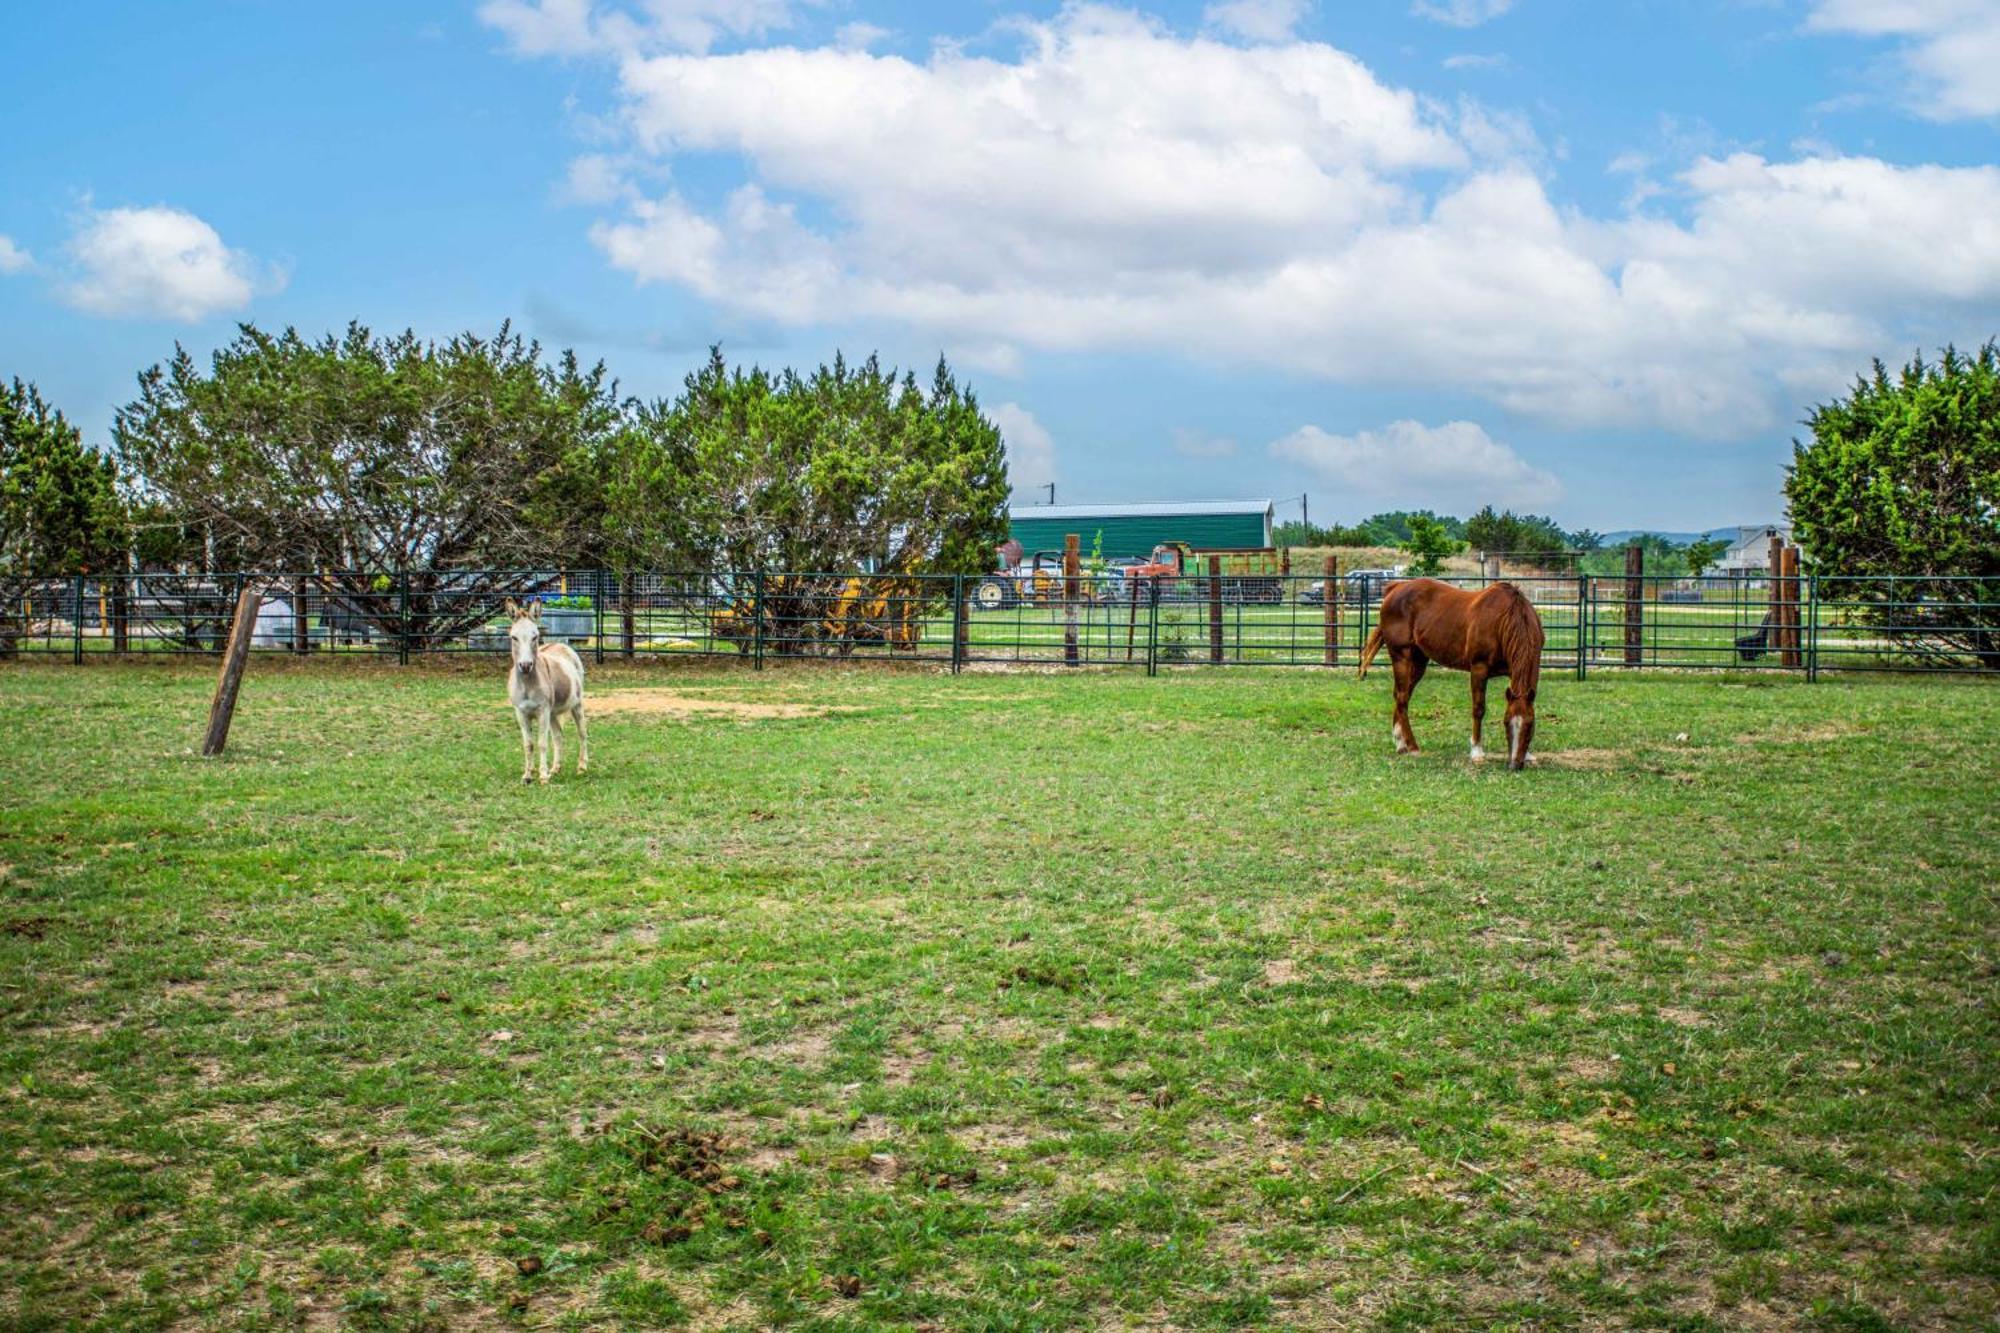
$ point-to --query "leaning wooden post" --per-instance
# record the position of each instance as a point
(1072, 562)
(1215, 609)
(233, 658)
(1132, 621)
(1330, 608)
(1635, 594)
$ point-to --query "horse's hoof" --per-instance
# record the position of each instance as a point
(527, 779)
(1477, 754)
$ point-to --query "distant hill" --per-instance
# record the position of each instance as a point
(1624, 535)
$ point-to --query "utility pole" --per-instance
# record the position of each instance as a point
(1052, 492)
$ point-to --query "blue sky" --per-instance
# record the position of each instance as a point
(1590, 259)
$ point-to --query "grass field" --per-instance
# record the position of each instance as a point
(847, 998)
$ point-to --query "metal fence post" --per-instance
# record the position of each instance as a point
(1812, 628)
(403, 617)
(597, 605)
(1582, 621)
(757, 620)
(1153, 626)
(1635, 603)
(76, 624)
(958, 627)
(1215, 610)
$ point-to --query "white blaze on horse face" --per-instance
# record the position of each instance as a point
(1513, 737)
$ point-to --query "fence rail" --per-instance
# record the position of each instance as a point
(1809, 624)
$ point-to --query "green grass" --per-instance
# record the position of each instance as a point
(996, 1002)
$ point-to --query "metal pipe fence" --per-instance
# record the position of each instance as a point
(1810, 624)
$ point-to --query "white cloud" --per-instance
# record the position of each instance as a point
(159, 262)
(1199, 444)
(1473, 60)
(1257, 20)
(1031, 450)
(860, 36)
(1453, 467)
(582, 27)
(13, 259)
(1461, 13)
(1117, 186)
(595, 178)
(1950, 49)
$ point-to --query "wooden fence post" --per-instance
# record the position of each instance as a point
(1781, 614)
(1215, 609)
(627, 635)
(1635, 603)
(223, 708)
(1330, 609)
(1072, 561)
(301, 630)
(121, 632)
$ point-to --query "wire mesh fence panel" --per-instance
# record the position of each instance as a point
(1905, 624)
(1713, 622)
(40, 617)
(897, 616)
(1107, 618)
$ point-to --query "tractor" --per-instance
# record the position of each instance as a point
(1035, 580)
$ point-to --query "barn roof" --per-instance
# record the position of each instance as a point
(1164, 509)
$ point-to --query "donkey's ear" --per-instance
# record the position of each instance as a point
(513, 609)
(535, 612)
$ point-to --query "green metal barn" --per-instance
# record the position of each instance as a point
(1135, 529)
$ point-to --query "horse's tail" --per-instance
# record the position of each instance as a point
(1368, 651)
(1521, 640)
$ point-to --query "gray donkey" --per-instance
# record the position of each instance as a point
(546, 683)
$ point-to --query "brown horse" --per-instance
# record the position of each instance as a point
(1492, 632)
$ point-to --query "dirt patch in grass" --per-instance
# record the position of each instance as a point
(671, 704)
(1596, 761)
(1817, 734)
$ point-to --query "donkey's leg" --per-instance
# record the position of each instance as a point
(555, 739)
(542, 764)
(582, 740)
(1478, 710)
(527, 747)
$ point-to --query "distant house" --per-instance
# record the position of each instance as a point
(1135, 529)
(1750, 552)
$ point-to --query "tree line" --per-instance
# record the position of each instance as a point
(393, 456)
(380, 455)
